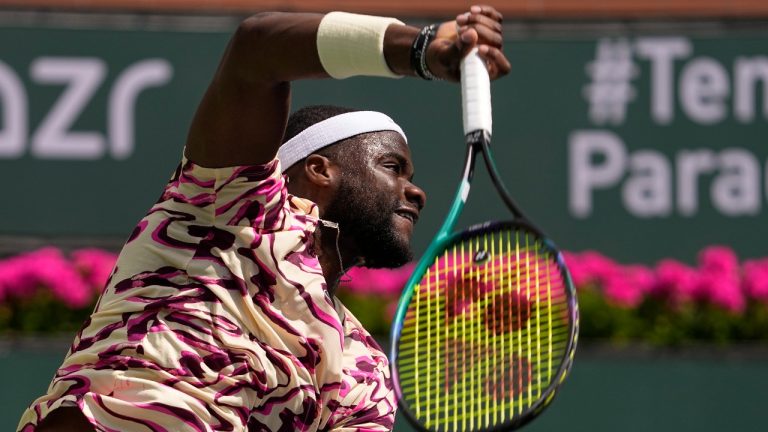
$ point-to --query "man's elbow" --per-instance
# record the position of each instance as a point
(249, 47)
(273, 47)
(257, 26)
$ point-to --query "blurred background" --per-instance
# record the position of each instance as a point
(634, 132)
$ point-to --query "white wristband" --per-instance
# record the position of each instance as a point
(351, 44)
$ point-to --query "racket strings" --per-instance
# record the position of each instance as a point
(485, 333)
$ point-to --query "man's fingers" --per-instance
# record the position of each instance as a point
(470, 18)
(488, 11)
(495, 61)
(479, 27)
(489, 37)
(488, 30)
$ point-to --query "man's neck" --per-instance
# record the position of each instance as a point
(333, 263)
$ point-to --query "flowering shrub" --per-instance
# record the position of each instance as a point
(372, 295)
(720, 299)
(46, 291)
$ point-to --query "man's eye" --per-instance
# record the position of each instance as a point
(393, 167)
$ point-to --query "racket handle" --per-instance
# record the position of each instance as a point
(475, 94)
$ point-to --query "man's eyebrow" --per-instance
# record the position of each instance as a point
(402, 160)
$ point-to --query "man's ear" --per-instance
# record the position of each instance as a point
(320, 171)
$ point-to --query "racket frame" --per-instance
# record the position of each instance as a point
(478, 141)
(444, 238)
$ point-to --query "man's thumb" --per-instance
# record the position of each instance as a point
(467, 40)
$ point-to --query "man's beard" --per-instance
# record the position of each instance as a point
(366, 216)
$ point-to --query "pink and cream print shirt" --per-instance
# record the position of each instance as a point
(217, 318)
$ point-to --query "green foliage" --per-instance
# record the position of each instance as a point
(372, 310)
(40, 314)
(658, 323)
(610, 307)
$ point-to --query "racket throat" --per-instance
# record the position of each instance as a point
(460, 199)
(484, 147)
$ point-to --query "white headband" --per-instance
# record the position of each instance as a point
(334, 129)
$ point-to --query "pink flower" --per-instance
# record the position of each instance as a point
(721, 259)
(599, 266)
(17, 277)
(60, 276)
(756, 280)
(590, 267)
(628, 287)
(621, 292)
(95, 265)
(24, 275)
(388, 282)
(675, 281)
(723, 290)
(719, 279)
(579, 272)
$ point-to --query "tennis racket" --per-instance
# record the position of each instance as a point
(486, 328)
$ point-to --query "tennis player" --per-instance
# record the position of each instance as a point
(220, 314)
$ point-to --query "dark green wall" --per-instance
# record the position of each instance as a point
(714, 95)
(714, 86)
(538, 111)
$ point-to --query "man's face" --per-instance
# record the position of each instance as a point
(376, 205)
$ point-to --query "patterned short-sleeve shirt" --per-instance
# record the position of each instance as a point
(217, 318)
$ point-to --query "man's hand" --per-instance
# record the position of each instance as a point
(481, 28)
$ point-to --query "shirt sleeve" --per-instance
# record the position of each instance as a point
(166, 347)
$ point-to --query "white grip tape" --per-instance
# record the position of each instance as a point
(475, 94)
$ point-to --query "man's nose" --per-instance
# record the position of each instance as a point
(415, 195)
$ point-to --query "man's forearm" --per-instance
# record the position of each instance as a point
(397, 48)
(274, 47)
(279, 47)
(241, 118)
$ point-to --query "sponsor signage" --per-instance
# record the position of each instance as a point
(642, 146)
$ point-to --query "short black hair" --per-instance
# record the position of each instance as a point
(309, 115)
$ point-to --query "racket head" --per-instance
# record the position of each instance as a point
(485, 331)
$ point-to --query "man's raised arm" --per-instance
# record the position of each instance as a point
(242, 116)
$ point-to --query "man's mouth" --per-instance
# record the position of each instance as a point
(408, 213)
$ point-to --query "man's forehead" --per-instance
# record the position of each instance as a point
(346, 127)
(384, 142)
